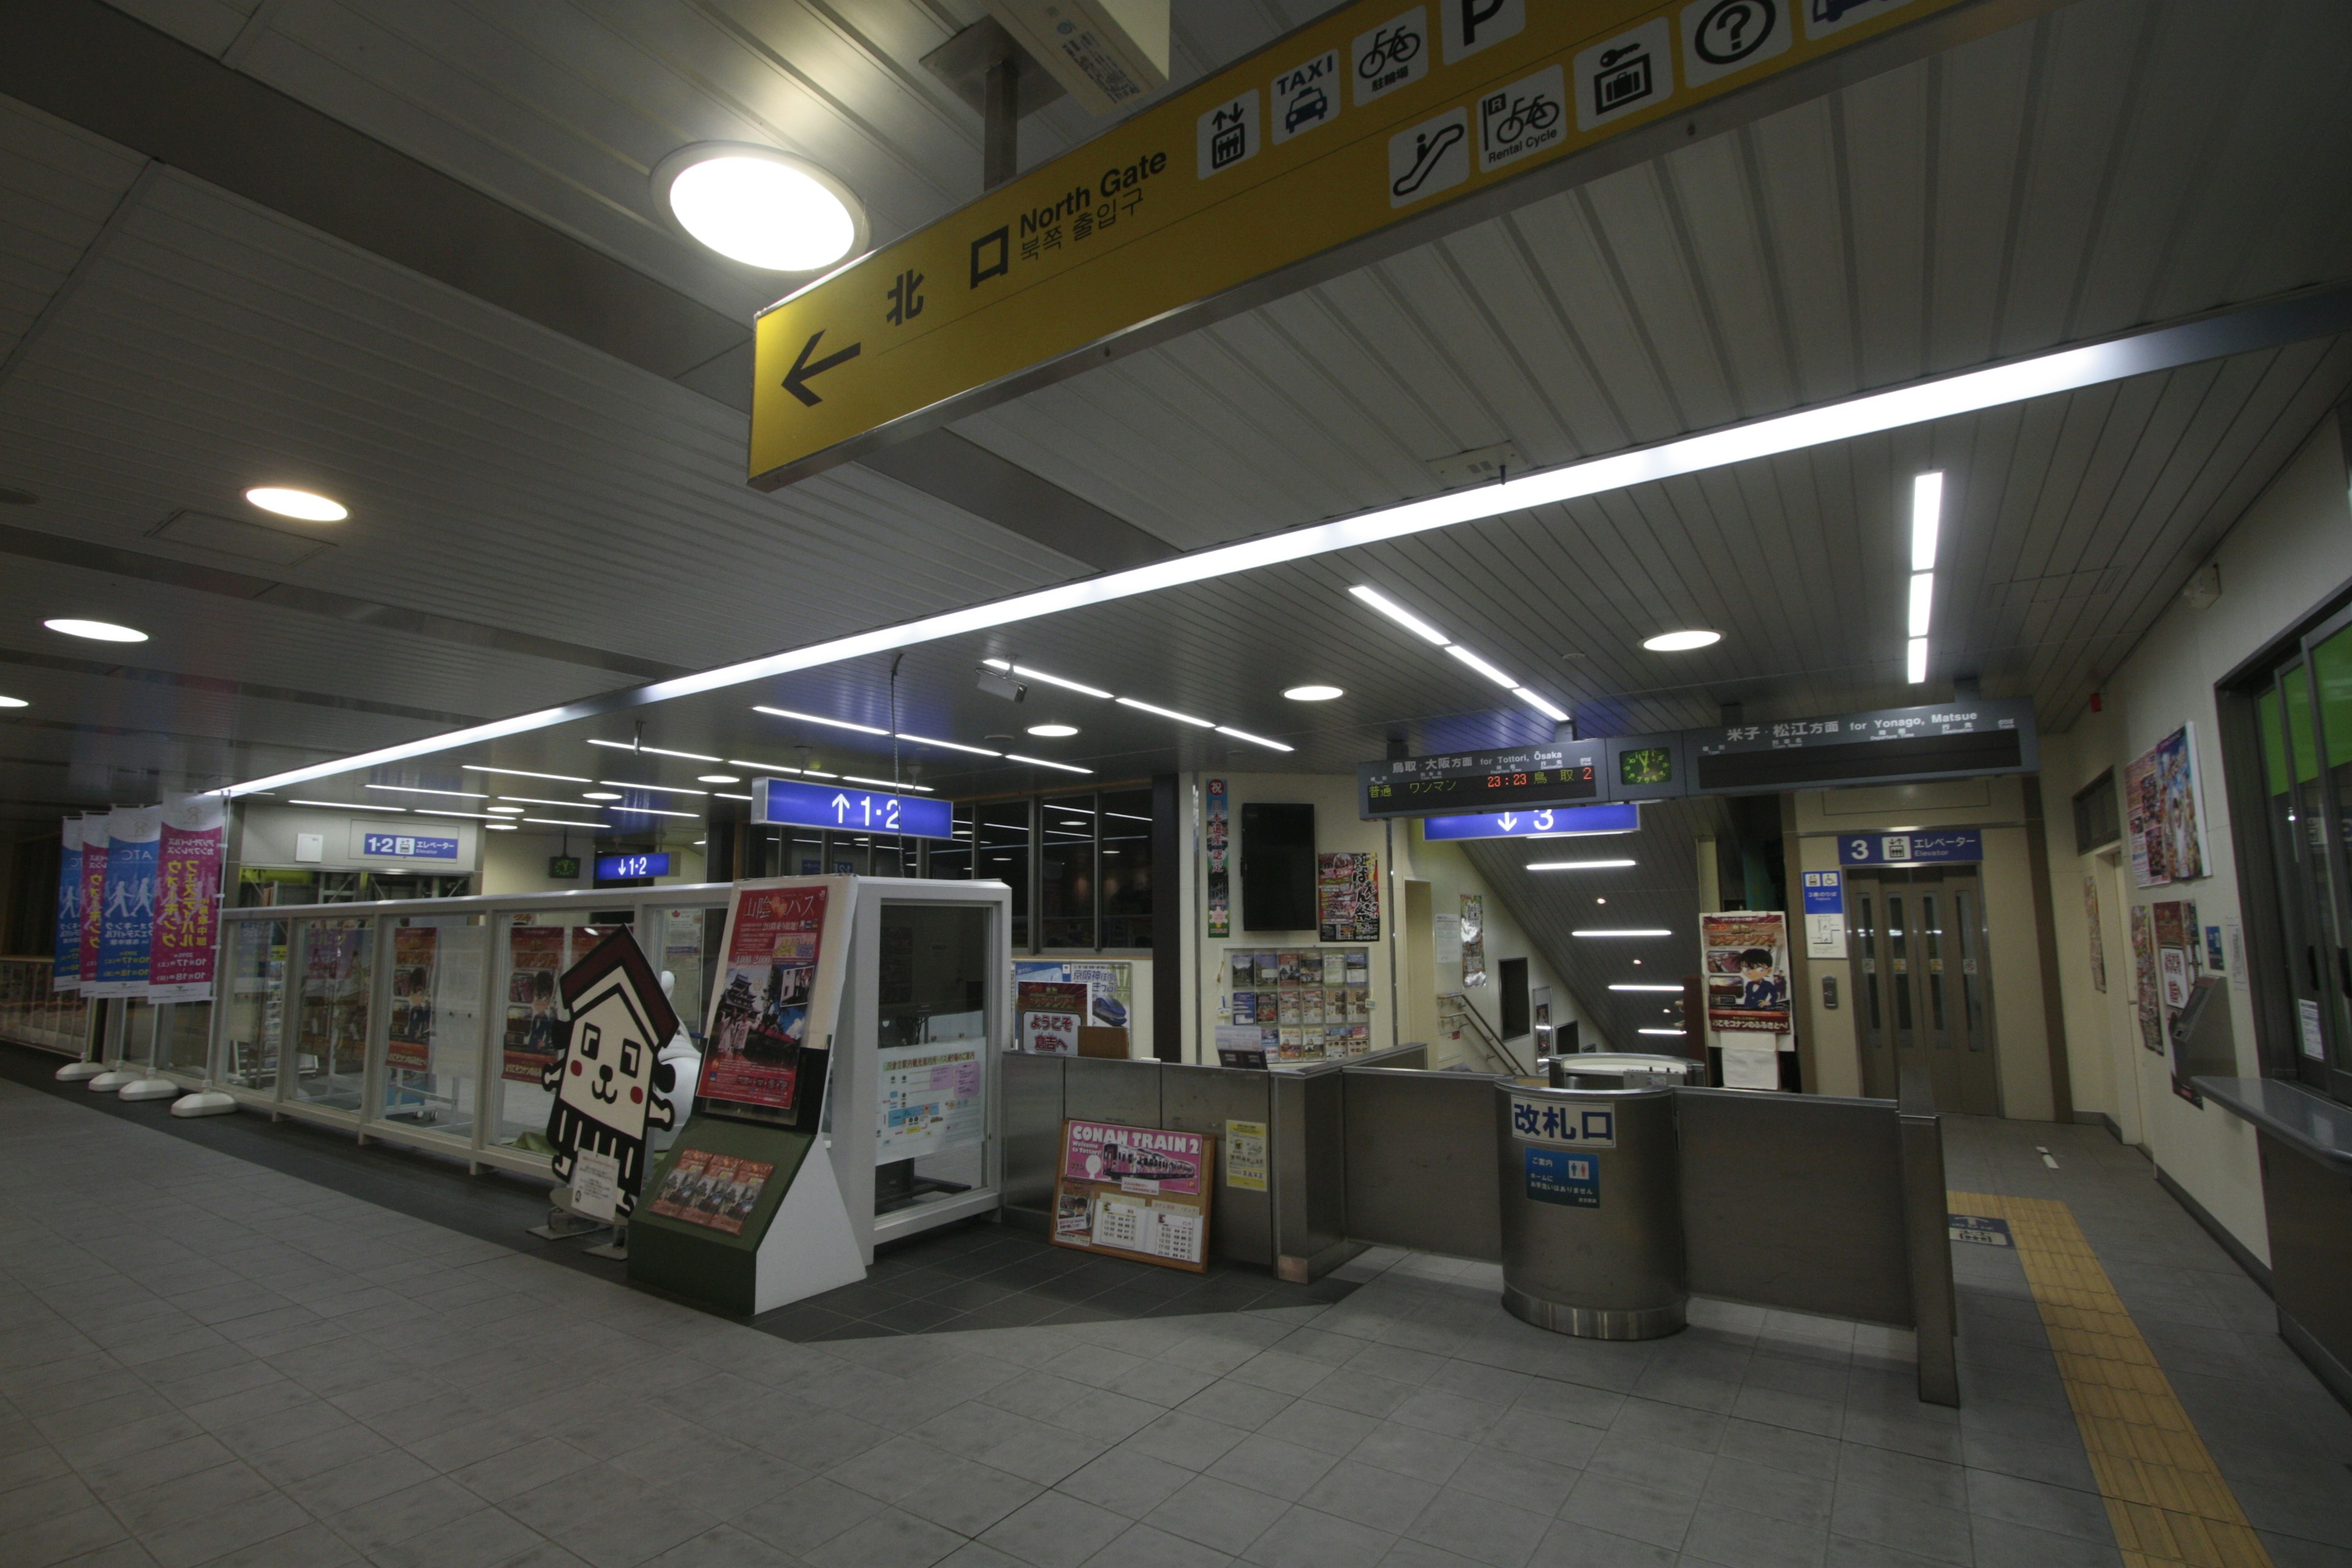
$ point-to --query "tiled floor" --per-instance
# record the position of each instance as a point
(205, 1360)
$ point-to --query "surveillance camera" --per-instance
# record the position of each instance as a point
(1002, 686)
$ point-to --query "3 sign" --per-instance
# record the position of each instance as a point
(1272, 173)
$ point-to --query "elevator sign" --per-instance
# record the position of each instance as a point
(788, 803)
(1302, 161)
(1938, 846)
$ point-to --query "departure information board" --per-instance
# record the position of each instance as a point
(1951, 740)
(1559, 773)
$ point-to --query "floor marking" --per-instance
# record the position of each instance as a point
(2165, 1496)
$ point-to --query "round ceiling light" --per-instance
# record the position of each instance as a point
(1313, 693)
(760, 206)
(96, 631)
(302, 505)
(1053, 732)
(1681, 642)
(14, 702)
(598, 794)
(716, 778)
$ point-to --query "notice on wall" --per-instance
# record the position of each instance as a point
(2164, 812)
(1141, 1193)
(1051, 1033)
(1245, 1156)
(2233, 942)
(2098, 932)
(1347, 896)
(2147, 1002)
(1474, 939)
(1750, 1067)
(2172, 967)
(189, 853)
(779, 989)
(1217, 839)
(1824, 914)
(931, 1100)
(1745, 956)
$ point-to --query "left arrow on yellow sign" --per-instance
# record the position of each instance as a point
(797, 379)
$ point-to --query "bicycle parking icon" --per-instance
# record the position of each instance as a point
(1390, 47)
(1392, 56)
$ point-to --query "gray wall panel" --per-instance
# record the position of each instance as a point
(1203, 1099)
(1421, 1162)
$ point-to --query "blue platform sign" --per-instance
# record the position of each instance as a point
(1938, 846)
(792, 804)
(1549, 822)
(620, 867)
(1558, 1176)
(1825, 893)
(408, 847)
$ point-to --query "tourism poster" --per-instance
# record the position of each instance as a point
(1139, 1192)
(2098, 933)
(717, 1192)
(771, 1022)
(534, 1035)
(1347, 896)
(188, 861)
(408, 1040)
(1220, 875)
(64, 968)
(1745, 956)
(2145, 996)
(2164, 812)
(1474, 939)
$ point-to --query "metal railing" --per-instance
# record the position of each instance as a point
(1456, 1016)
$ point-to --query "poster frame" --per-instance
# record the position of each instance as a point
(1201, 1206)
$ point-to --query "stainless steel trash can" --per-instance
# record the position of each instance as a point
(1592, 1208)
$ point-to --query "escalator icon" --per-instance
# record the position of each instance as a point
(1430, 157)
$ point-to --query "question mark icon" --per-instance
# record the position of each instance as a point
(1737, 20)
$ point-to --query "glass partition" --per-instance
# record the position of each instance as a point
(689, 953)
(432, 1036)
(137, 1032)
(932, 1131)
(332, 1039)
(253, 1013)
(186, 1037)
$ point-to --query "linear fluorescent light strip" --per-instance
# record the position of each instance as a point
(664, 789)
(651, 811)
(1028, 674)
(877, 784)
(419, 789)
(1576, 865)
(1621, 985)
(522, 774)
(950, 745)
(1436, 638)
(1131, 702)
(1041, 763)
(1661, 1031)
(815, 718)
(651, 751)
(348, 805)
(2256, 327)
(558, 822)
(1628, 932)
(536, 800)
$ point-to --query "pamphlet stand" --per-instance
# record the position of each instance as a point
(796, 1242)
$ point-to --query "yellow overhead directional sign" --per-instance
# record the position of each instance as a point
(1379, 114)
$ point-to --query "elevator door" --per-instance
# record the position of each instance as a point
(1923, 985)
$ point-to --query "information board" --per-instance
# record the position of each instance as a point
(1559, 773)
(621, 868)
(1542, 822)
(791, 803)
(1933, 847)
(1141, 1193)
(1889, 745)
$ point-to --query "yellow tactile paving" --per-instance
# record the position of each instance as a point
(2165, 1496)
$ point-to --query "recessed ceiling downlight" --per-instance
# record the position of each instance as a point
(760, 206)
(302, 505)
(1312, 693)
(96, 631)
(1681, 642)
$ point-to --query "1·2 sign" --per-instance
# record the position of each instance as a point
(788, 803)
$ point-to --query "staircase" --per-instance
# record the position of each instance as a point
(1460, 1021)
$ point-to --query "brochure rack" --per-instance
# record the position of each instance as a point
(909, 995)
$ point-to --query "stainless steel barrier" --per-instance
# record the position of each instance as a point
(1418, 1154)
(1590, 1189)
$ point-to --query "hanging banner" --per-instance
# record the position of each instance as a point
(93, 891)
(772, 1018)
(127, 928)
(65, 971)
(1220, 897)
(1347, 896)
(188, 859)
(1474, 939)
(2164, 812)
(1745, 955)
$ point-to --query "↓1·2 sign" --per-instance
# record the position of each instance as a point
(791, 803)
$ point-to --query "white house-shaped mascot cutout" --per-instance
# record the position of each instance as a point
(610, 1084)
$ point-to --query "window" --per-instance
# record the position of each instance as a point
(2098, 818)
(1085, 859)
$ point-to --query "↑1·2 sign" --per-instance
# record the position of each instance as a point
(844, 803)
